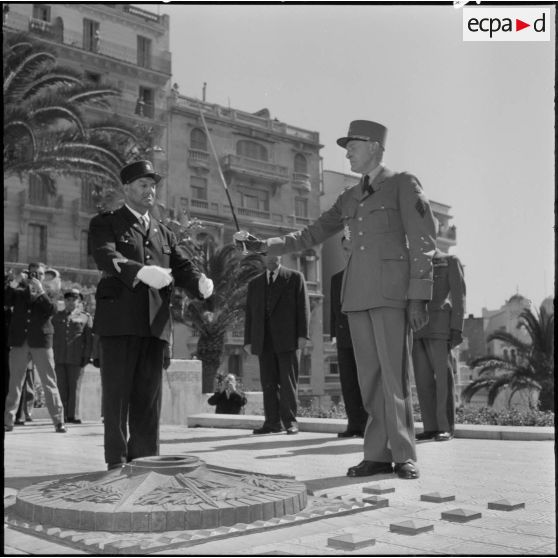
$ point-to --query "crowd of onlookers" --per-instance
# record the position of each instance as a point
(49, 336)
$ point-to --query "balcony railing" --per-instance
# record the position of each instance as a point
(447, 232)
(199, 204)
(301, 180)
(254, 167)
(198, 158)
(257, 213)
(41, 200)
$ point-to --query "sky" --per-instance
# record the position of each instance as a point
(474, 121)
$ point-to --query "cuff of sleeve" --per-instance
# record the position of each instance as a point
(420, 289)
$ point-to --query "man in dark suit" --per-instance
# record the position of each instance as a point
(137, 255)
(30, 337)
(276, 326)
(432, 346)
(341, 338)
(72, 350)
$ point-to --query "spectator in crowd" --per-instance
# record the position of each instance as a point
(341, 338)
(387, 284)
(228, 399)
(72, 349)
(433, 362)
(140, 258)
(276, 326)
(30, 337)
(27, 399)
(52, 283)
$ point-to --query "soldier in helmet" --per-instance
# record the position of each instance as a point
(140, 260)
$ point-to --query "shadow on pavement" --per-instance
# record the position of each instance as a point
(326, 450)
(314, 485)
(286, 442)
(203, 439)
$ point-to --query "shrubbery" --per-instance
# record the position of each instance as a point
(463, 415)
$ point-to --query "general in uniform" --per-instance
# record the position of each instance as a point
(432, 345)
(137, 255)
(72, 345)
(387, 283)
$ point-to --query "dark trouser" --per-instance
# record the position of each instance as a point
(435, 384)
(67, 378)
(356, 414)
(27, 398)
(279, 378)
(131, 375)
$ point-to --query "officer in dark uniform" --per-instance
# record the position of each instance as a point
(72, 344)
(432, 345)
(139, 258)
(341, 338)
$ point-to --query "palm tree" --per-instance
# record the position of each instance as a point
(231, 272)
(533, 369)
(45, 129)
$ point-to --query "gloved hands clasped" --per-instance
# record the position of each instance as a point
(246, 242)
(159, 277)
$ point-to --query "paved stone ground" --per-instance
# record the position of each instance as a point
(475, 471)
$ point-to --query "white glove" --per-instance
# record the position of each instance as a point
(205, 286)
(155, 276)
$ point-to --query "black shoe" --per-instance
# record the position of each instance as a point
(406, 470)
(75, 421)
(350, 434)
(118, 465)
(19, 422)
(61, 428)
(426, 435)
(368, 468)
(267, 430)
(443, 436)
(292, 430)
(8, 428)
(28, 418)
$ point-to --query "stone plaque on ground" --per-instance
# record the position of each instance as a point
(460, 515)
(411, 527)
(505, 505)
(378, 489)
(350, 542)
(437, 497)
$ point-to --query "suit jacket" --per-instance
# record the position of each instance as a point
(393, 239)
(31, 319)
(339, 323)
(447, 308)
(289, 311)
(121, 248)
(72, 342)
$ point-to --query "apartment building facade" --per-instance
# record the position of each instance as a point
(119, 45)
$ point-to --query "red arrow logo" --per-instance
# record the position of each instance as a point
(519, 25)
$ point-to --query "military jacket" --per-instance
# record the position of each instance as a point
(120, 247)
(72, 341)
(31, 320)
(393, 239)
(446, 310)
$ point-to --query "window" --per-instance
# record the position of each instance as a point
(334, 368)
(38, 193)
(90, 35)
(300, 164)
(198, 140)
(301, 207)
(251, 149)
(254, 199)
(37, 245)
(198, 185)
(94, 77)
(144, 52)
(88, 195)
(41, 11)
(235, 365)
(144, 104)
(305, 365)
(506, 357)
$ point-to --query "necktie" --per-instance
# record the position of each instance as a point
(144, 222)
(366, 187)
(270, 281)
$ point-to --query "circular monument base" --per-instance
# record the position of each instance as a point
(160, 493)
